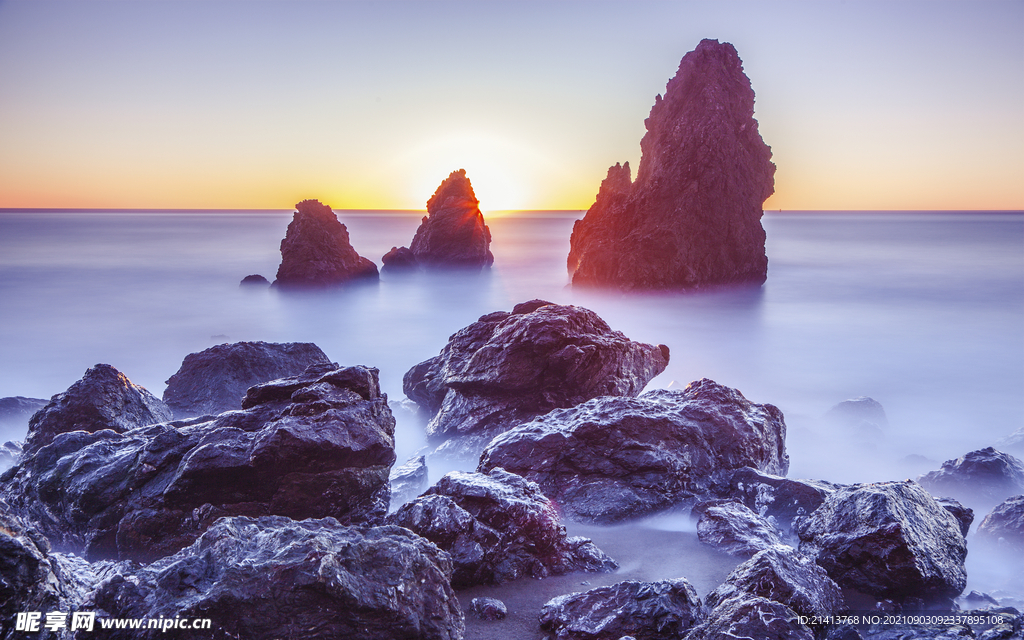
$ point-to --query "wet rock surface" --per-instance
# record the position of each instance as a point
(749, 616)
(1004, 526)
(782, 574)
(497, 527)
(312, 445)
(980, 478)
(316, 251)
(215, 380)
(488, 608)
(407, 481)
(643, 610)
(611, 458)
(452, 234)
(272, 577)
(692, 217)
(508, 368)
(103, 399)
(770, 496)
(890, 540)
(733, 528)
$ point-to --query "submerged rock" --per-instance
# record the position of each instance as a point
(734, 529)
(315, 445)
(692, 217)
(890, 540)
(508, 368)
(254, 280)
(983, 478)
(781, 574)
(103, 399)
(861, 417)
(408, 481)
(1004, 526)
(612, 458)
(215, 380)
(642, 610)
(399, 259)
(271, 578)
(453, 233)
(497, 527)
(316, 251)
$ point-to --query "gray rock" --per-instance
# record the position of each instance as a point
(313, 445)
(508, 368)
(497, 527)
(692, 218)
(215, 380)
(1004, 526)
(10, 453)
(643, 610)
(783, 575)
(733, 528)
(982, 478)
(615, 458)
(770, 496)
(15, 412)
(316, 251)
(488, 608)
(748, 616)
(271, 577)
(407, 481)
(890, 540)
(104, 399)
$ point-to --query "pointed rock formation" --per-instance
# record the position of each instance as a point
(316, 250)
(452, 234)
(692, 217)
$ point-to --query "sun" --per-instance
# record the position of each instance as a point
(499, 169)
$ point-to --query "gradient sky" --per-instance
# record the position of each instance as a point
(189, 104)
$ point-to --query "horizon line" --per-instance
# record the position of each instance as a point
(422, 211)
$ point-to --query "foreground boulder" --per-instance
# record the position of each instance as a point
(316, 251)
(1004, 526)
(215, 380)
(749, 616)
(982, 478)
(611, 458)
(733, 528)
(890, 540)
(315, 445)
(692, 218)
(271, 577)
(103, 399)
(452, 234)
(783, 575)
(508, 368)
(497, 527)
(642, 610)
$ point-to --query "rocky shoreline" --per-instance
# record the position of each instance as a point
(282, 512)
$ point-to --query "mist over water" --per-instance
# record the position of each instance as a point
(922, 312)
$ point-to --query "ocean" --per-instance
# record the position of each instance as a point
(922, 311)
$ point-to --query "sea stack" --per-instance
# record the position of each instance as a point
(316, 251)
(692, 217)
(452, 234)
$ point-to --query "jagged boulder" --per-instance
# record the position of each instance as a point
(508, 368)
(315, 445)
(890, 540)
(408, 481)
(733, 528)
(781, 574)
(982, 478)
(614, 458)
(452, 234)
(272, 577)
(104, 399)
(773, 497)
(497, 527)
(692, 218)
(316, 251)
(643, 610)
(745, 615)
(1004, 526)
(215, 380)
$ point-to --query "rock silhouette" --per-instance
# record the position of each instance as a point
(692, 217)
(316, 250)
(452, 234)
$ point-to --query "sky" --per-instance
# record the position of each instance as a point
(370, 105)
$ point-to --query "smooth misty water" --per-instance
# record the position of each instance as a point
(922, 312)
